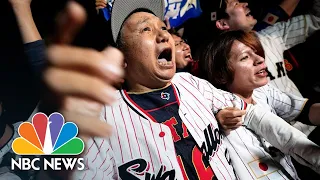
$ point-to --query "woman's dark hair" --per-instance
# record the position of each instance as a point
(214, 58)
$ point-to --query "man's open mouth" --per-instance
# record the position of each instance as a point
(165, 57)
(248, 13)
(188, 57)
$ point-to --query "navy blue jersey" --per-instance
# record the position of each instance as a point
(163, 106)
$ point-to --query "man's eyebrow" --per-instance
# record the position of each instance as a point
(143, 21)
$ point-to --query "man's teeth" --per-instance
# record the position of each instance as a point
(163, 61)
(261, 71)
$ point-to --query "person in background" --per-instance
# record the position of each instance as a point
(271, 15)
(34, 49)
(235, 63)
(18, 104)
(184, 60)
(275, 39)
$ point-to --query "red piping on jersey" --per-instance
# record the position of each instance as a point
(244, 105)
(146, 112)
(137, 106)
(294, 60)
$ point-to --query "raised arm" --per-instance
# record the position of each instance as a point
(34, 46)
(28, 28)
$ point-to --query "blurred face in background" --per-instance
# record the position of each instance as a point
(182, 52)
(239, 17)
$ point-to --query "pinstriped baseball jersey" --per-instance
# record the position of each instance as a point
(143, 149)
(280, 37)
(254, 158)
(285, 105)
(251, 160)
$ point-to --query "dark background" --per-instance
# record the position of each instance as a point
(15, 74)
(17, 90)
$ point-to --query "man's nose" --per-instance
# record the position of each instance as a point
(163, 36)
(186, 46)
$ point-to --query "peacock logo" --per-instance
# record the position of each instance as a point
(48, 136)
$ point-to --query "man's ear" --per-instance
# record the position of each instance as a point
(222, 24)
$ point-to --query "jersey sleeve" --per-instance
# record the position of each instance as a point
(286, 105)
(217, 98)
(291, 32)
(283, 136)
(35, 53)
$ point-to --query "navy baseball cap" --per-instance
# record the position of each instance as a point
(122, 9)
(219, 8)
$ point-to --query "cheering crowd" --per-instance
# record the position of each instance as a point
(150, 108)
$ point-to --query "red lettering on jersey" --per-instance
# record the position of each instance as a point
(171, 123)
(202, 171)
(185, 131)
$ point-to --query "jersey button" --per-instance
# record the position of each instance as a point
(161, 134)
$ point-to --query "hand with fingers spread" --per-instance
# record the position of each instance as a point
(230, 118)
(82, 78)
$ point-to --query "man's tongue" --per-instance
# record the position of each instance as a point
(188, 58)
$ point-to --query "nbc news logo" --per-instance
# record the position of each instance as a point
(48, 136)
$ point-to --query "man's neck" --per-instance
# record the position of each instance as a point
(139, 89)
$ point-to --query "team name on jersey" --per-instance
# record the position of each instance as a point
(280, 70)
(212, 137)
(140, 167)
(213, 140)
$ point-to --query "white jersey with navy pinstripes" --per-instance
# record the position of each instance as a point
(280, 37)
(141, 148)
(253, 158)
